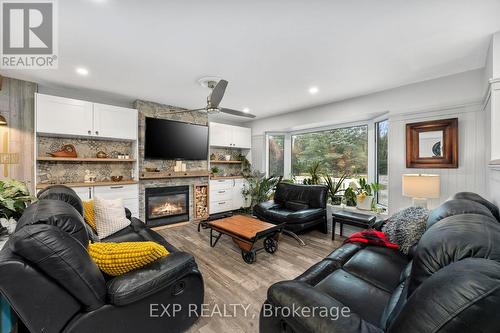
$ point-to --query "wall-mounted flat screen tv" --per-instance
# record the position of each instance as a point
(170, 140)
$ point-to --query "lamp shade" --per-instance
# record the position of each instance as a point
(421, 186)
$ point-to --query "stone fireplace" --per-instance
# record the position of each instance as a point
(166, 205)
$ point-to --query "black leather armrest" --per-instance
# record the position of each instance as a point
(138, 284)
(128, 214)
(294, 294)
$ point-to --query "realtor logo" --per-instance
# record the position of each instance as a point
(28, 35)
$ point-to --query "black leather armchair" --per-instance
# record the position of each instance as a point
(450, 283)
(52, 284)
(301, 207)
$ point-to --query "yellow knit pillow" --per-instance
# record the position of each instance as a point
(88, 213)
(119, 258)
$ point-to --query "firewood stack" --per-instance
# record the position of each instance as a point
(201, 201)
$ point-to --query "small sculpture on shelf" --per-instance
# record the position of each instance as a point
(101, 154)
(65, 151)
(89, 177)
(116, 178)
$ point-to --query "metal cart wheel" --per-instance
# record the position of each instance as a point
(270, 245)
(248, 256)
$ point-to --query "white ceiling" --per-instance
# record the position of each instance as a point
(271, 52)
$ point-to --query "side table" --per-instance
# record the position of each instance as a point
(348, 217)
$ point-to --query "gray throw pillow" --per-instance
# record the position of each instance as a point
(406, 227)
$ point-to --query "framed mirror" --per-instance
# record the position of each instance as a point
(432, 144)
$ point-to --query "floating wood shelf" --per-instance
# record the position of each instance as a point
(225, 162)
(164, 175)
(226, 177)
(83, 159)
(82, 184)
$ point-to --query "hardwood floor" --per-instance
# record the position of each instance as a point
(229, 280)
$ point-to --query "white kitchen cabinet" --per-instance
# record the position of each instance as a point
(115, 122)
(222, 135)
(226, 195)
(128, 193)
(238, 198)
(242, 137)
(63, 116)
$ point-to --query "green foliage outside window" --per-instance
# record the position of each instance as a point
(340, 151)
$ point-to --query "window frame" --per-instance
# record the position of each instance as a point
(376, 174)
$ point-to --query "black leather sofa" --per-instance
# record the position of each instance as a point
(301, 207)
(60, 289)
(449, 283)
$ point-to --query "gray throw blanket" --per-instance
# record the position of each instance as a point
(406, 227)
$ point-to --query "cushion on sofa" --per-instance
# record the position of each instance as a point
(57, 213)
(64, 259)
(456, 207)
(119, 258)
(296, 205)
(479, 199)
(61, 193)
(452, 239)
(109, 216)
(355, 292)
(385, 274)
(406, 227)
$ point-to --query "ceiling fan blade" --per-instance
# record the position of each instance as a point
(237, 113)
(217, 94)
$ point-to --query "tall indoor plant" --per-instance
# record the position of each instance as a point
(259, 188)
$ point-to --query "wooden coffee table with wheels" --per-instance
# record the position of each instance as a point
(246, 231)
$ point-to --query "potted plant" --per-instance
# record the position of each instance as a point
(14, 198)
(334, 188)
(365, 194)
(314, 173)
(259, 188)
(214, 170)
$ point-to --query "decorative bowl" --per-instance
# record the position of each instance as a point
(116, 178)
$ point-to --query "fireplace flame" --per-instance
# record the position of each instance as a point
(166, 209)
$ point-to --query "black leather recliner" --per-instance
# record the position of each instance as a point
(53, 285)
(450, 283)
(301, 207)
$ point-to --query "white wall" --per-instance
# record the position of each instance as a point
(469, 176)
(492, 110)
(458, 95)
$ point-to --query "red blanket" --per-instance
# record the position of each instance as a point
(372, 237)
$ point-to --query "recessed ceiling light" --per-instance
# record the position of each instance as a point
(313, 90)
(82, 71)
(246, 110)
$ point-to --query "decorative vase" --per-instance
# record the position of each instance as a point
(364, 202)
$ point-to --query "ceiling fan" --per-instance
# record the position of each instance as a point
(215, 97)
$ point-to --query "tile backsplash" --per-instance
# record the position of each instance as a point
(72, 172)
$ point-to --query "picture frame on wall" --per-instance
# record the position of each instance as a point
(432, 144)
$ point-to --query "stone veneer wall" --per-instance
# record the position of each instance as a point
(161, 111)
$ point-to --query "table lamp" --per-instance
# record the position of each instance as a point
(421, 187)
